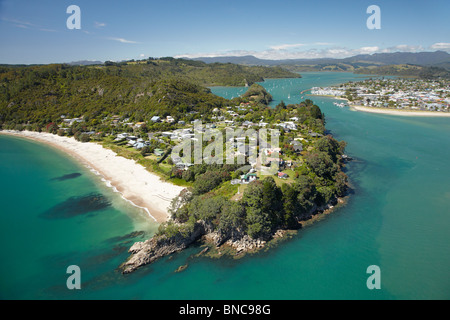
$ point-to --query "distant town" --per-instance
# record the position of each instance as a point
(407, 94)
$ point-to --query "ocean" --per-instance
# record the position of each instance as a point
(56, 213)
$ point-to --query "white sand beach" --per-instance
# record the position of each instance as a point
(401, 112)
(133, 181)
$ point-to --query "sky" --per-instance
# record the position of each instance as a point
(35, 32)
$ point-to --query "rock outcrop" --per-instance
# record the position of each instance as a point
(146, 252)
(159, 246)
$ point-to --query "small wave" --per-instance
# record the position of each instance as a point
(109, 185)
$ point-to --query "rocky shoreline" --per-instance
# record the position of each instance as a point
(236, 245)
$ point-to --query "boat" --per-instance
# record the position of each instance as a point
(340, 105)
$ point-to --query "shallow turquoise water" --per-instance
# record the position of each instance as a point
(397, 218)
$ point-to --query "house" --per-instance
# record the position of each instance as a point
(159, 152)
(315, 134)
(139, 145)
(269, 151)
(121, 136)
(297, 146)
(156, 119)
(248, 177)
(167, 134)
(282, 175)
(170, 119)
(139, 124)
(247, 123)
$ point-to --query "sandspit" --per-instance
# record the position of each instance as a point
(401, 112)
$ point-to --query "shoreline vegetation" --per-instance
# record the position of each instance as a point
(148, 191)
(125, 125)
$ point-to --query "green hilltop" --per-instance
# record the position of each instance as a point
(42, 93)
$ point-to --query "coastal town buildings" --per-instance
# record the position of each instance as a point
(408, 94)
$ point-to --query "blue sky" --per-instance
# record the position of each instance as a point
(35, 31)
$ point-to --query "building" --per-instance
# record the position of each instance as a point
(282, 175)
(248, 177)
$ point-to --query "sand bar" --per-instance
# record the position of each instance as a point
(401, 112)
(136, 184)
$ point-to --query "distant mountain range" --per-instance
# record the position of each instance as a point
(437, 58)
(84, 63)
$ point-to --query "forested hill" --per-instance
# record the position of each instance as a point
(407, 70)
(141, 88)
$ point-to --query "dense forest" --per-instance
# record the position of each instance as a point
(41, 94)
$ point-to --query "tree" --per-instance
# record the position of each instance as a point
(341, 183)
(84, 137)
(316, 113)
(145, 150)
(232, 219)
(258, 220)
(289, 205)
(330, 146)
(206, 182)
(271, 201)
(321, 164)
(306, 195)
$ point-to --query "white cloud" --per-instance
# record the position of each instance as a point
(441, 46)
(122, 40)
(326, 50)
(403, 48)
(368, 50)
(27, 25)
(287, 46)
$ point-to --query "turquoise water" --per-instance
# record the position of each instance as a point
(398, 218)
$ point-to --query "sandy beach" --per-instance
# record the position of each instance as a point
(137, 185)
(401, 112)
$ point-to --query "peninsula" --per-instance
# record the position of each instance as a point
(262, 171)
